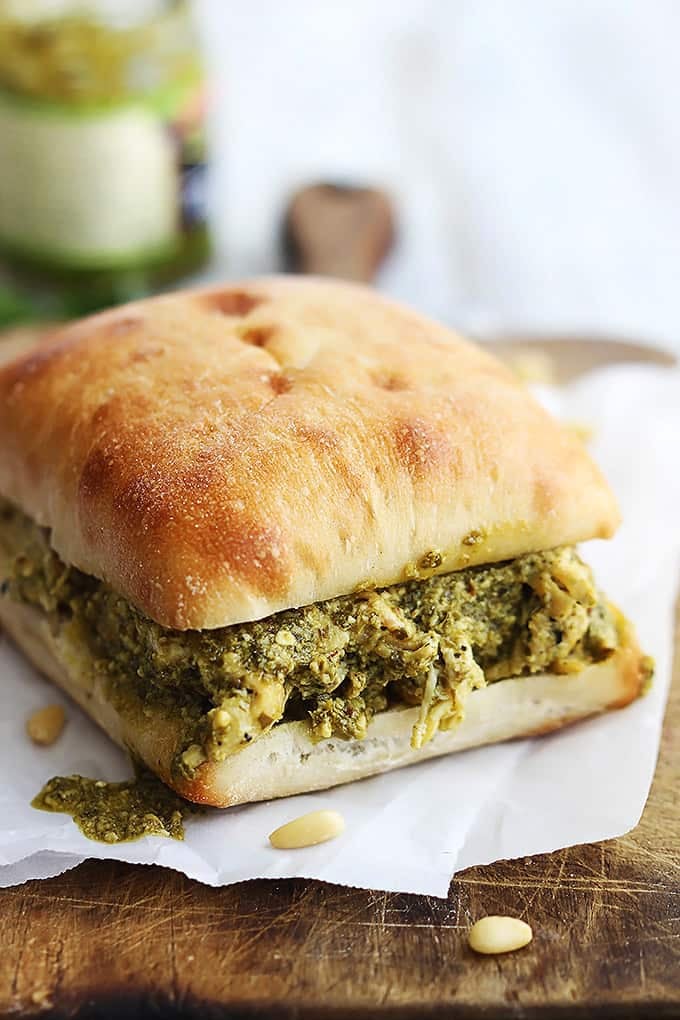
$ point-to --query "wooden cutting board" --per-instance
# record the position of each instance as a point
(109, 941)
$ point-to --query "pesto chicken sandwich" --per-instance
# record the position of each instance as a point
(281, 535)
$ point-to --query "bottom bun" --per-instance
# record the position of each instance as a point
(286, 761)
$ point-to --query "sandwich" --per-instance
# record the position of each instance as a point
(285, 534)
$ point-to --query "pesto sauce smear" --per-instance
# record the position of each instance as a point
(116, 812)
(425, 643)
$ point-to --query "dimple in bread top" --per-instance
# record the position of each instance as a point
(217, 456)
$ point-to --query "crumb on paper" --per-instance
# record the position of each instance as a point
(583, 430)
(533, 366)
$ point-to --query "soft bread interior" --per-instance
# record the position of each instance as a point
(285, 761)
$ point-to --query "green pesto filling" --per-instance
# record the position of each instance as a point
(116, 812)
(423, 643)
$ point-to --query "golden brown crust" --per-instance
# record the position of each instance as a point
(221, 455)
(285, 761)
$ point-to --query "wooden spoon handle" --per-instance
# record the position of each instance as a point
(338, 230)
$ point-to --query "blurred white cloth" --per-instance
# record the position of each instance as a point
(533, 148)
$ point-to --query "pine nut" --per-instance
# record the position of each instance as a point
(45, 725)
(308, 830)
(496, 934)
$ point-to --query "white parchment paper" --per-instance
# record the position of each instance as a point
(410, 830)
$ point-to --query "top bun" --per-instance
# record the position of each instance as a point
(219, 455)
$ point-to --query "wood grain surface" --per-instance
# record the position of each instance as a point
(110, 941)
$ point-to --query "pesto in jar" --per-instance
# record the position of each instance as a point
(102, 175)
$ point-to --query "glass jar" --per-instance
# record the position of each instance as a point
(102, 151)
